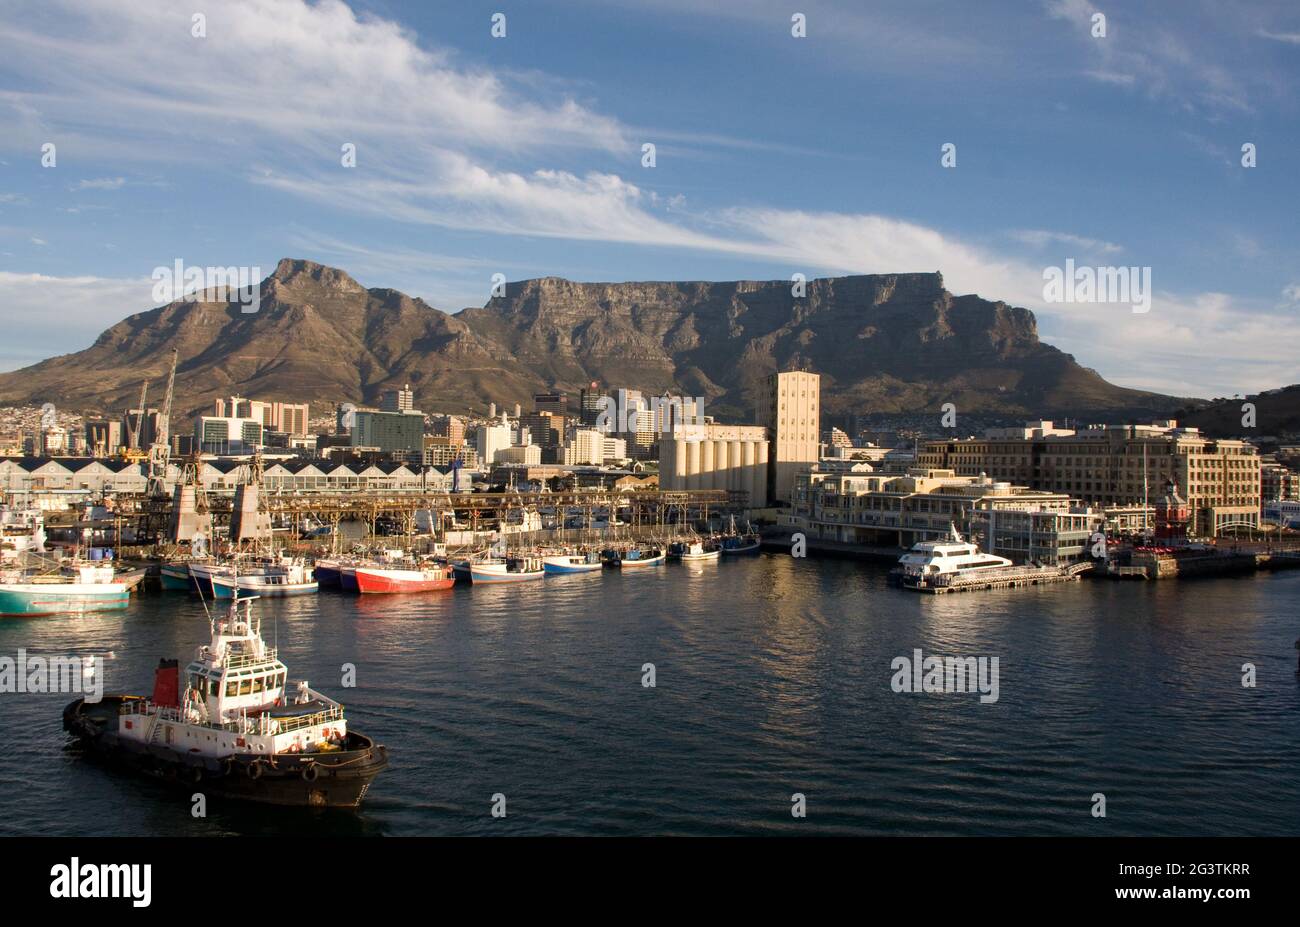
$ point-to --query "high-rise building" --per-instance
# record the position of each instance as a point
(590, 405)
(288, 417)
(551, 402)
(451, 427)
(546, 429)
(400, 434)
(104, 437)
(233, 435)
(490, 437)
(397, 400)
(148, 427)
(790, 408)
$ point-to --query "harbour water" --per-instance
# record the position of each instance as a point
(772, 677)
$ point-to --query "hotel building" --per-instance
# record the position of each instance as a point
(1112, 465)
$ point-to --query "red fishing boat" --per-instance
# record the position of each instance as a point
(384, 579)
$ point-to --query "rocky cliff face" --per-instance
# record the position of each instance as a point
(883, 343)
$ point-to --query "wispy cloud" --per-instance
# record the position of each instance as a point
(443, 144)
(1040, 238)
(1291, 38)
(102, 183)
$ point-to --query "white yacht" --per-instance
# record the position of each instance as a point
(929, 561)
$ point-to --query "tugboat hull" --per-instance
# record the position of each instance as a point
(337, 779)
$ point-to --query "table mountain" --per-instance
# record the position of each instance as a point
(882, 343)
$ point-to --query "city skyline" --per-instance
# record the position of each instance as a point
(498, 154)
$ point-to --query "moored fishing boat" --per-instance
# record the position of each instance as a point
(88, 589)
(630, 558)
(694, 551)
(375, 579)
(560, 564)
(285, 578)
(740, 544)
(506, 570)
(176, 577)
(232, 726)
(326, 572)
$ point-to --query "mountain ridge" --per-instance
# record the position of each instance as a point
(882, 343)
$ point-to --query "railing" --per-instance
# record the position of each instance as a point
(301, 721)
(234, 661)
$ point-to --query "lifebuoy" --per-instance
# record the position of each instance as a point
(310, 773)
(254, 770)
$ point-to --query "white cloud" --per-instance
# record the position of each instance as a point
(1291, 38)
(1041, 238)
(447, 145)
(102, 183)
(48, 315)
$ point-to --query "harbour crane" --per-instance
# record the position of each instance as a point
(160, 449)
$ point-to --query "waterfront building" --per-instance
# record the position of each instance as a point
(713, 456)
(862, 507)
(1108, 465)
(1278, 483)
(789, 407)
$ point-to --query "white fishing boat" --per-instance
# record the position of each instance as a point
(694, 551)
(560, 564)
(506, 570)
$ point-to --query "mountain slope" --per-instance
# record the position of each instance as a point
(883, 343)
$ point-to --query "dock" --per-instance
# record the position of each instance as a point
(1012, 579)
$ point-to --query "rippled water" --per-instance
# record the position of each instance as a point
(773, 678)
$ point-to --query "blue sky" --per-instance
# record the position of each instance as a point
(522, 155)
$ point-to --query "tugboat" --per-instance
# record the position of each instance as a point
(232, 727)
